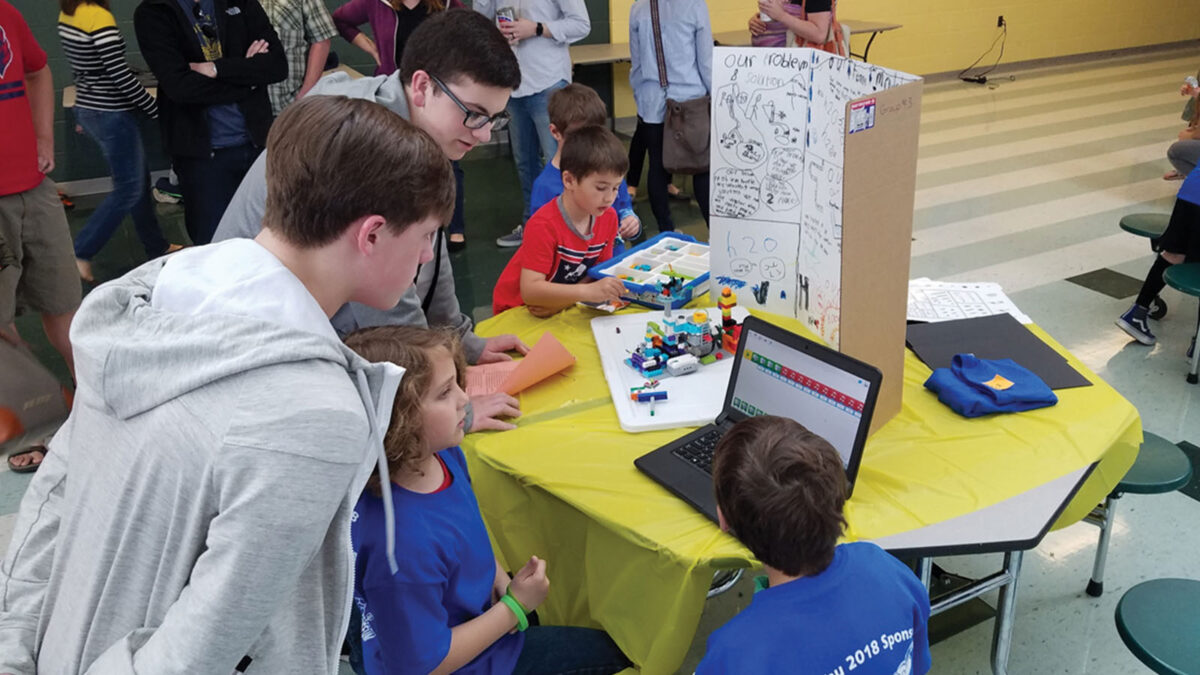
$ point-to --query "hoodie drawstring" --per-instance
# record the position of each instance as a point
(385, 481)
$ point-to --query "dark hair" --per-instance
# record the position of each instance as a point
(409, 347)
(576, 105)
(593, 149)
(68, 7)
(461, 43)
(781, 489)
(332, 160)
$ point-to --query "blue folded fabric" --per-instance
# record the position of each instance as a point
(973, 387)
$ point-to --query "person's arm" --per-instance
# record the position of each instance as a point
(110, 47)
(272, 517)
(25, 572)
(318, 33)
(39, 87)
(261, 69)
(318, 53)
(348, 17)
(631, 225)
(545, 297)
(572, 27)
(158, 38)
(704, 45)
(635, 60)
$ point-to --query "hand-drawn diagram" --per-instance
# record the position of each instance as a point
(778, 127)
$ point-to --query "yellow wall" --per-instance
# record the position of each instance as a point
(946, 35)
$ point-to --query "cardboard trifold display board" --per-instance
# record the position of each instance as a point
(813, 177)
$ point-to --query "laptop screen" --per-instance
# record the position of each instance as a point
(777, 379)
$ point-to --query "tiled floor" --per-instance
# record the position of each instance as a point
(1021, 183)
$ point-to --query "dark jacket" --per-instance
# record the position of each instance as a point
(169, 44)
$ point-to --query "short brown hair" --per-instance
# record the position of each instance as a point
(332, 160)
(409, 347)
(781, 489)
(461, 43)
(68, 7)
(576, 105)
(593, 149)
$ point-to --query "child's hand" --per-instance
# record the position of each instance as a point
(608, 289)
(773, 9)
(530, 584)
(630, 227)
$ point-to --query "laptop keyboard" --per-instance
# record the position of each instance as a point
(699, 451)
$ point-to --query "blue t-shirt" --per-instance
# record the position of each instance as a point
(974, 387)
(445, 579)
(548, 185)
(1189, 191)
(226, 123)
(865, 613)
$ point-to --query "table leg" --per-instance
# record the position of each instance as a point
(1006, 610)
(925, 571)
(867, 50)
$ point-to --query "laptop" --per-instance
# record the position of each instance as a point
(775, 372)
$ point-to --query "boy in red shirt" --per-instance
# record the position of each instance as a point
(569, 235)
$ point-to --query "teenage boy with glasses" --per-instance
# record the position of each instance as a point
(454, 82)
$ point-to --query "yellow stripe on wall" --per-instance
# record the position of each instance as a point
(947, 35)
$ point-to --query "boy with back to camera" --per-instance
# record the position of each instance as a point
(569, 235)
(829, 608)
(573, 107)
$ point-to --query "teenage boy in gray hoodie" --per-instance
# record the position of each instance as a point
(193, 515)
(454, 81)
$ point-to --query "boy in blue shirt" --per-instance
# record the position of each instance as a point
(445, 605)
(830, 608)
(573, 107)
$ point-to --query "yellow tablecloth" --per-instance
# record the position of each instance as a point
(563, 486)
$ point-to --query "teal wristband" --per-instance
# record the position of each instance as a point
(511, 602)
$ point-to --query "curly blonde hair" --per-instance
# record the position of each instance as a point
(410, 348)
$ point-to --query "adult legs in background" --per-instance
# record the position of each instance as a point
(700, 186)
(1179, 242)
(208, 185)
(120, 141)
(563, 650)
(458, 238)
(637, 159)
(532, 146)
(656, 176)
(1184, 156)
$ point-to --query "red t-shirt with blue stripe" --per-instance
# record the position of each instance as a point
(19, 54)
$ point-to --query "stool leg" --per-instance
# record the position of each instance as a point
(1192, 377)
(1095, 587)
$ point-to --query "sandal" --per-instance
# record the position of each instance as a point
(454, 245)
(31, 466)
(1173, 175)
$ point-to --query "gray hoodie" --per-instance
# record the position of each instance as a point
(195, 508)
(243, 218)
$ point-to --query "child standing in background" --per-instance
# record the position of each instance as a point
(570, 234)
(572, 107)
(450, 607)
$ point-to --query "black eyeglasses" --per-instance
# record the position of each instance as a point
(473, 119)
(205, 22)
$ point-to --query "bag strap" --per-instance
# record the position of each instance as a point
(437, 269)
(658, 46)
(831, 32)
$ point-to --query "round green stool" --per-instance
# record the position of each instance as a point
(1151, 226)
(1185, 278)
(1159, 620)
(1160, 467)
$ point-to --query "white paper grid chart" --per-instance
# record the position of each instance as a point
(778, 138)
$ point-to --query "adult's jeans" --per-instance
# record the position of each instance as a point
(208, 184)
(657, 178)
(120, 140)
(457, 224)
(529, 134)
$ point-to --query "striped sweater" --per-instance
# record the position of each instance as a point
(96, 51)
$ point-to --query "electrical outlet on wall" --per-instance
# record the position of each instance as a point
(1000, 21)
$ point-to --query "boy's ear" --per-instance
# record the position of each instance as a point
(558, 135)
(419, 88)
(721, 522)
(569, 179)
(366, 231)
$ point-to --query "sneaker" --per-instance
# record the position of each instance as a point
(512, 239)
(1137, 324)
(166, 193)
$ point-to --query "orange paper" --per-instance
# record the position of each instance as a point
(547, 358)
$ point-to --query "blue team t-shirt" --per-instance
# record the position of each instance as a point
(1188, 192)
(445, 579)
(865, 613)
